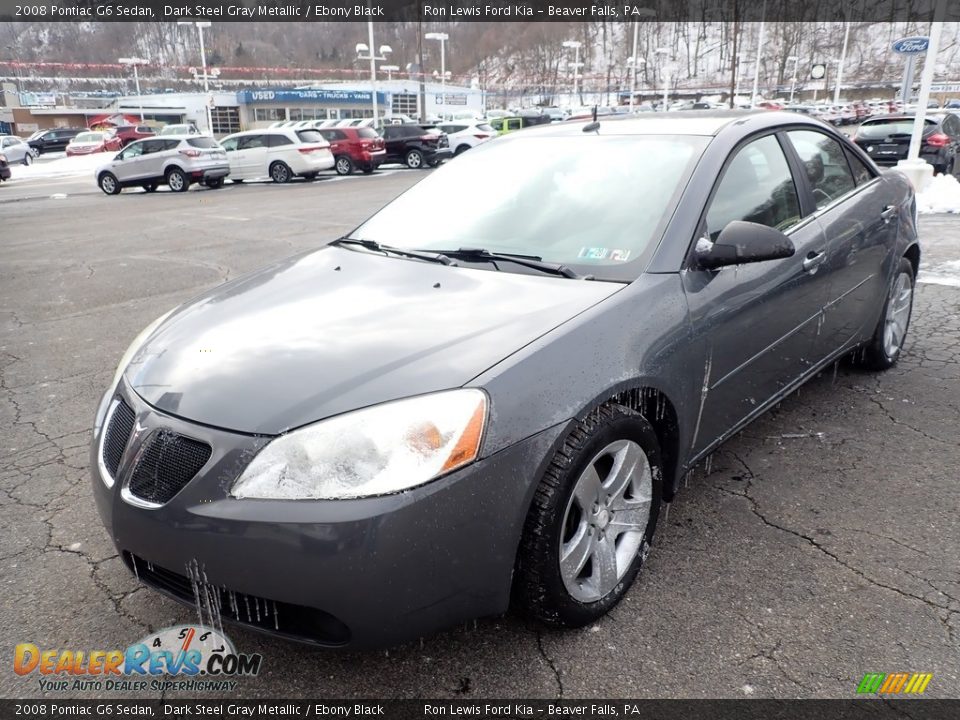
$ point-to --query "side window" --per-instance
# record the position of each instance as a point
(513, 124)
(229, 144)
(144, 129)
(152, 146)
(861, 173)
(133, 150)
(278, 140)
(756, 187)
(825, 163)
(250, 141)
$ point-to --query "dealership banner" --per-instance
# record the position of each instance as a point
(918, 11)
(480, 708)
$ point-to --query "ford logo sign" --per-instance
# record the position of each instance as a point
(911, 45)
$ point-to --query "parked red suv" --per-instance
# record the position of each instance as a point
(355, 148)
(129, 133)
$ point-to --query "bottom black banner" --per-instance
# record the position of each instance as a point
(872, 709)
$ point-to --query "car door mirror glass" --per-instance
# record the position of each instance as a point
(743, 242)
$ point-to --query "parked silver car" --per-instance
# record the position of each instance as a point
(16, 149)
(177, 161)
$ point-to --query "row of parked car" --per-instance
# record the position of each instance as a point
(280, 153)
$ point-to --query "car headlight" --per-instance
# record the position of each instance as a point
(122, 366)
(379, 450)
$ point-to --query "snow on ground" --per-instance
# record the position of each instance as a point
(58, 167)
(945, 273)
(942, 195)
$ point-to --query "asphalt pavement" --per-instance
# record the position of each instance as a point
(820, 544)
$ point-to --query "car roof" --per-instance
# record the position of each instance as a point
(693, 122)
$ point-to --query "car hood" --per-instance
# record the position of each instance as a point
(335, 330)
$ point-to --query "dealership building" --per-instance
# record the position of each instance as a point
(256, 107)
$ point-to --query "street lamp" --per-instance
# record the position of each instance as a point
(442, 37)
(575, 46)
(666, 74)
(756, 65)
(201, 24)
(632, 63)
(374, 59)
(793, 82)
(645, 12)
(136, 62)
(843, 55)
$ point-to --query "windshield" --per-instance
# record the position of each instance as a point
(886, 128)
(88, 137)
(595, 204)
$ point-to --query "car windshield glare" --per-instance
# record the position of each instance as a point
(89, 137)
(594, 203)
(202, 142)
(886, 128)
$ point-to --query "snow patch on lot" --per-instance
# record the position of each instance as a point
(942, 195)
(60, 167)
(945, 273)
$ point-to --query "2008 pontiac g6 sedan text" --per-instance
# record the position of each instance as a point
(464, 406)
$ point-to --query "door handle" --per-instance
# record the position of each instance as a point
(813, 260)
(889, 212)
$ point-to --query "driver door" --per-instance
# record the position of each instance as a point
(757, 322)
(128, 164)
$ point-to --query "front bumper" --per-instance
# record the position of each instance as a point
(365, 572)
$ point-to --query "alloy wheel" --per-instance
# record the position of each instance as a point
(898, 314)
(605, 520)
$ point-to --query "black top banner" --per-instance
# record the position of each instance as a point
(477, 10)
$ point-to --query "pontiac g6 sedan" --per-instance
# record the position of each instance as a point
(425, 422)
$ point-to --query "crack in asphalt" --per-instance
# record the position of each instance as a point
(550, 662)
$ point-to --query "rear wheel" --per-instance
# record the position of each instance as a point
(151, 186)
(462, 149)
(236, 181)
(177, 180)
(310, 176)
(368, 170)
(414, 159)
(589, 529)
(885, 346)
(109, 184)
(27, 158)
(344, 165)
(215, 183)
(280, 173)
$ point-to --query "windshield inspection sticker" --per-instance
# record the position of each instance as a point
(603, 254)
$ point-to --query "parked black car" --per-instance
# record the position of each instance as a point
(416, 145)
(53, 140)
(4, 168)
(886, 140)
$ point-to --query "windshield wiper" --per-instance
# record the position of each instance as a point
(378, 247)
(530, 261)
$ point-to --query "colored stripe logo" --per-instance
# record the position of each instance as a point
(894, 683)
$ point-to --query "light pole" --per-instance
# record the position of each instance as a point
(633, 62)
(201, 24)
(645, 12)
(665, 70)
(575, 46)
(793, 82)
(843, 54)
(384, 51)
(389, 70)
(442, 37)
(756, 65)
(136, 62)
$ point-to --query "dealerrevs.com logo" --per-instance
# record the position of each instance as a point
(180, 657)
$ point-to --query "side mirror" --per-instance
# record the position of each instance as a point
(743, 242)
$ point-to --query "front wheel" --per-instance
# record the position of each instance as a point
(177, 180)
(28, 158)
(592, 520)
(109, 184)
(414, 159)
(215, 183)
(151, 186)
(885, 346)
(280, 173)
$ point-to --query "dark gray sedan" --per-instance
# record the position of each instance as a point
(484, 395)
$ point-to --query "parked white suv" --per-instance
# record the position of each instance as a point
(465, 134)
(278, 153)
(177, 161)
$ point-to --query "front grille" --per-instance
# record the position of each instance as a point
(168, 462)
(215, 602)
(117, 436)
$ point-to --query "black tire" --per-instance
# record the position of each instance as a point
(310, 176)
(177, 180)
(236, 181)
(434, 163)
(280, 173)
(877, 354)
(343, 165)
(151, 186)
(215, 183)
(539, 589)
(368, 170)
(28, 159)
(461, 150)
(108, 183)
(414, 159)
